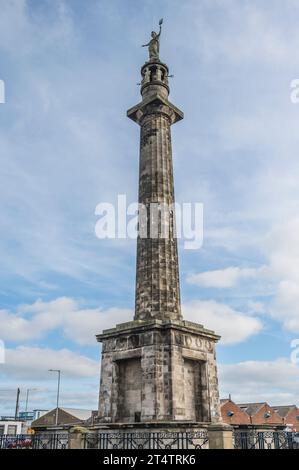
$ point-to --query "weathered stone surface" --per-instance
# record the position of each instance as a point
(157, 277)
(157, 368)
(168, 373)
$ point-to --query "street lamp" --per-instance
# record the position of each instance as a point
(58, 388)
(27, 397)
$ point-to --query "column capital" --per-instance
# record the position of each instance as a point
(160, 103)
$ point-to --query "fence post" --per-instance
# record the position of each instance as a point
(220, 436)
(76, 437)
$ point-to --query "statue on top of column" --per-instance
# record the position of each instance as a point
(154, 44)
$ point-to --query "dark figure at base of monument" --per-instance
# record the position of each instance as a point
(154, 44)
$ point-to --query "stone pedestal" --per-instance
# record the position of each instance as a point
(158, 371)
(76, 437)
(220, 436)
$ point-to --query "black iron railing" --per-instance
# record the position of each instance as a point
(146, 440)
(252, 439)
(242, 439)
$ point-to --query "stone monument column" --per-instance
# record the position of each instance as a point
(158, 369)
(157, 277)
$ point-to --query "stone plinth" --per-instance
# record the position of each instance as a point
(76, 437)
(220, 436)
(158, 371)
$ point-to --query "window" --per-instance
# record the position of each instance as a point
(1, 430)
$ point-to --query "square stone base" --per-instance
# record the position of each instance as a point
(158, 371)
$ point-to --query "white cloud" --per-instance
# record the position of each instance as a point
(263, 37)
(33, 363)
(81, 324)
(285, 306)
(276, 382)
(222, 278)
(50, 140)
(256, 307)
(234, 327)
(30, 26)
(280, 248)
(74, 321)
(84, 324)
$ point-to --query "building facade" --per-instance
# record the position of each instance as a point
(11, 426)
(67, 417)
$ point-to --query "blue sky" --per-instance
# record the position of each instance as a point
(71, 69)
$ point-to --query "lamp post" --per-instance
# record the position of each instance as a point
(58, 389)
(17, 403)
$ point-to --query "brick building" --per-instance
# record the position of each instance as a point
(261, 414)
(232, 414)
(290, 416)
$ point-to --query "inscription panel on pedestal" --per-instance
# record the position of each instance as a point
(190, 341)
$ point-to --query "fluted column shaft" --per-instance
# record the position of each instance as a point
(157, 274)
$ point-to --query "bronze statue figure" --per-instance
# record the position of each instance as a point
(154, 44)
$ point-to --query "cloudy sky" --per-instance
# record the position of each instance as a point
(71, 69)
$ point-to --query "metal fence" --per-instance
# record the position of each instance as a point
(147, 440)
(36, 441)
(265, 439)
(242, 439)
